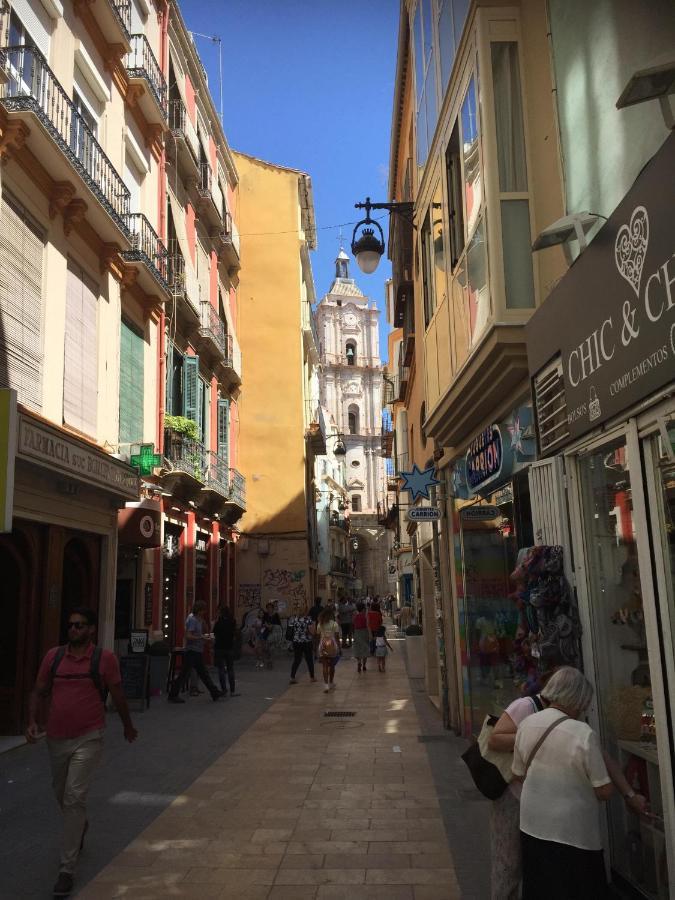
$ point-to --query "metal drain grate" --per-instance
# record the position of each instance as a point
(339, 714)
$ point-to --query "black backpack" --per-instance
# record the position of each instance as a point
(93, 672)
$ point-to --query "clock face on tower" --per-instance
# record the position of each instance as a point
(350, 319)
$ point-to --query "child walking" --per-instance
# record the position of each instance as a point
(381, 645)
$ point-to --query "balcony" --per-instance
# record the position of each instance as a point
(149, 252)
(212, 330)
(387, 515)
(184, 286)
(235, 507)
(113, 18)
(338, 521)
(231, 363)
(387, 444)
(209, 197)
(84, 179)
(184, 148)
(316, 428)
(145, 74)
(187, 464)
(225, 237)
(339, 565)
(216, 490)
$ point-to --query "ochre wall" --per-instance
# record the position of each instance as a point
(271, 442)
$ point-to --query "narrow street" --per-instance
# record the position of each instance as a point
(271, 798)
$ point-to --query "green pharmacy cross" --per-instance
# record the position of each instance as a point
(146, 459)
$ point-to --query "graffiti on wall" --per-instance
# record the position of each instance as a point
(249, 596)
(289, 585)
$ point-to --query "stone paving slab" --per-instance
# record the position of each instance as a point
(307, 806)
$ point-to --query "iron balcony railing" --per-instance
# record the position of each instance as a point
(122, 11)
(205, 178)
(339, 521)
(182, 278)
(181, 124)
(141, 63)
(211, 326)
(339, 564)
(185, 454)
(32, 86)
(147, 248)
(218, 473)
(237, 488)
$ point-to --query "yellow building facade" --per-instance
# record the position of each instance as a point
(277, 558)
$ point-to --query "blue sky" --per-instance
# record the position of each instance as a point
(309, 84)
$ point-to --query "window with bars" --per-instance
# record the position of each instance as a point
(21, 260)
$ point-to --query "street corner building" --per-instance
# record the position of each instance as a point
(532, 364)
(120, 368)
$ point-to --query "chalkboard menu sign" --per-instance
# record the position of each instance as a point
(135, 672)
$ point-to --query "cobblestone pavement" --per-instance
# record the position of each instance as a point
(305, 805)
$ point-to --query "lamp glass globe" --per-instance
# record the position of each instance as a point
(368, 261)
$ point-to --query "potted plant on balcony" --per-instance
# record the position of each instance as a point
(414, 648)
(189, 429)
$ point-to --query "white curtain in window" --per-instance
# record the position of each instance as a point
(80, 376)
(509, 117)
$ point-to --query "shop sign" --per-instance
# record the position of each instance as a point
(479, 513)
(424, 514)
(484, 458)
(611, 320)
(39, 443)
(139, 524)
(8, 416)
(146, 460)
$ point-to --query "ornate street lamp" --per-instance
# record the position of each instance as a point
(368, 248)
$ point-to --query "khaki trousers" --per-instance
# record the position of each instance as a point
(73, 762)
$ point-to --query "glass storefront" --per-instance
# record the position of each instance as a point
(486, 554)
(623, 674)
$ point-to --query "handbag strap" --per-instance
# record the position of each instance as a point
(541, 741)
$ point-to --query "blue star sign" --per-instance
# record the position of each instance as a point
(419, 481)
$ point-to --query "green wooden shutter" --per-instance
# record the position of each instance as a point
(190, 389)
(168, 394)
(200, 408)
(131, 385)
(224, 431)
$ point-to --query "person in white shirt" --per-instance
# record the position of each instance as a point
(564, 777)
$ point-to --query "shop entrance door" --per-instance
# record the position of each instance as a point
(623, 651)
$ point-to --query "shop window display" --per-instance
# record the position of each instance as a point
(623, 680)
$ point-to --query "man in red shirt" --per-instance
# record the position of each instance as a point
(74, 677)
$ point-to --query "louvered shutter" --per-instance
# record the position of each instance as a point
(80, 375)
(168, 398)
(131, 385)
(224, 431)
(37, 23)
(548, 500)
(21, 255)
(190, 387)
(200, 408)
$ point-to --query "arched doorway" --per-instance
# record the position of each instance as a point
(77, 582)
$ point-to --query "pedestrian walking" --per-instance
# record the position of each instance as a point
(374, 619)
(382, 647)
(346, 610)
(329, 646)
(315, 612)
(361, 647)
(224, 637)
(75, 677)
(302, 630)
(193, 657)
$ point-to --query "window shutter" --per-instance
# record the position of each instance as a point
(200, 408)
(131, 385)
(80, 376)
(168, 393)
(21, 253)
(224, 430)
(36, 21)
(190, 382)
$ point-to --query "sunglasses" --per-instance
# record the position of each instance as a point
(78, 625)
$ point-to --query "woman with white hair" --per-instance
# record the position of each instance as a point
(565, 777)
